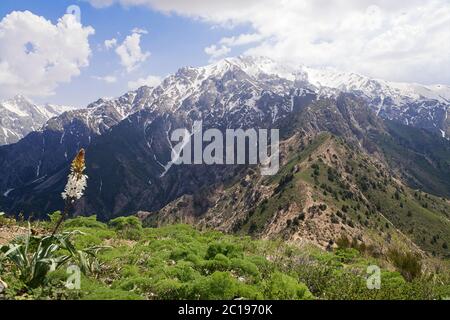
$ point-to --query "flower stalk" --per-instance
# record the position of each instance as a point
(76, 184)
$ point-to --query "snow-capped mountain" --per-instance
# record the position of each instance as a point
(424, 106)
(101, 115)
(19, 116)
(127, 139)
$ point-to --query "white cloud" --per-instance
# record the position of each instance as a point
(130, 52)
(109, 44)
(107, 78)
(216, 52)
(241, 40)
(139, 30)
(151, 81)
(396, 40)
(37, 55)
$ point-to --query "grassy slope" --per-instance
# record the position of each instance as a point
(422, 157)
(376, 204)
(179, 262)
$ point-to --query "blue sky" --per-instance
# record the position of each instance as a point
(172, 41)
(48, 56)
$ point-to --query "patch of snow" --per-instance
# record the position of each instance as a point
(7, 192)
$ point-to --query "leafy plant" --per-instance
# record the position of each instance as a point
(35, 256)
(54, 219)
(408, 264)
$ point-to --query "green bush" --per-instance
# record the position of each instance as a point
(54, 218)
(128, 227)
(219, 286)
(219, 263)
(264, 266)
(95, 290)
(168, 289)
(91, 237)
(227, 249)
(347, 255)
(133, 283)
(407, 263)
(183, 271)
(179, 254)
(87, 222)
(283, 287)
(195, 259)
(245, 267)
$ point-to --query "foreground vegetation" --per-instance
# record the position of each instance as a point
(123, 260)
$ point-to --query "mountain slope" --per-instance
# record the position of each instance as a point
(327, 190)
(419, 156)
(411, 104)
(37, 165)
(19, 116)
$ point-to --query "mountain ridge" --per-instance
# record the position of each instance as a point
(19, 116)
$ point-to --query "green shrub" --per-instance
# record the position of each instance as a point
(128, 227)
(179, 254)
(195, 259)
(130, 271)
(227, 249)
(347, 255)
(264, 266)
(168, 289)
(95, 290)
(133, 283)
(87, 222)
(283, 287)
(183, 271)
(219, 286)
(91, 237)
(219, 263)
(54, 218)
(408, 264)
(245, 267)
(346, 285)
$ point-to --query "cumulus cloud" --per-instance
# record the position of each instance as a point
(109, 44)
(151, 81)
(130, 52)
(216, 52)
(37, 55)
(396, 40)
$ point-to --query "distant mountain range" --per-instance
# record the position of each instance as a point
(19, 116)
(348, 140)
(411, 104)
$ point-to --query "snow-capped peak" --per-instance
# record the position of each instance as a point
(414, 104)
(328, 77)
(19, 116)
(18, 105)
